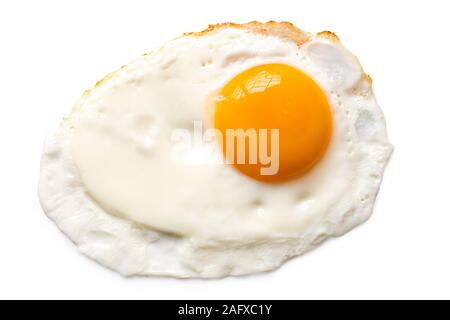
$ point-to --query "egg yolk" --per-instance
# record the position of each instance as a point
(275, 122)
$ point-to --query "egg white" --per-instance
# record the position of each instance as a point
(207, 221)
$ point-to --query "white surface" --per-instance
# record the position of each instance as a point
(52, 50)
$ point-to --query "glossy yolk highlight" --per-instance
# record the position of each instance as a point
(267, 98)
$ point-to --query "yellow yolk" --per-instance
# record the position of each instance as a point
(283, 104)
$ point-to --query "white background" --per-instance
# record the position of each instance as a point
(50, 51)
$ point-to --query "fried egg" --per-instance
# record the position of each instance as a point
(141, 178)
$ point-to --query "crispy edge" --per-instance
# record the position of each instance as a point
(282, 29)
